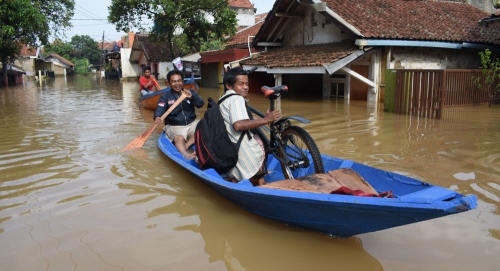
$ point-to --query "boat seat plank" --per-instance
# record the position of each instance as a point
(346, 164)
(429, 195)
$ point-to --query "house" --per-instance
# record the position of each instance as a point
(108, 47)
(14, 75)
(58, 64)
(342, 48)
(212, 62)
(238, 48)
(191, 64)
(153, 54)
(245, 12)
(28, 59)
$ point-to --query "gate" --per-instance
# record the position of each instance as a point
(419, 93)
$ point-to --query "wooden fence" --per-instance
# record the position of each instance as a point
(460, 89)
(425, 93)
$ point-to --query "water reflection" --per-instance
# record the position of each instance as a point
(69, 199)
(243, 241)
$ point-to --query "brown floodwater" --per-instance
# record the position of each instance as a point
(71, 200)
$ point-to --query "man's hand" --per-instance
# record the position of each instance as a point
(158, 120)
(187, 93)
(272, 116)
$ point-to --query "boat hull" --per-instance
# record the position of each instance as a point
(334, 214)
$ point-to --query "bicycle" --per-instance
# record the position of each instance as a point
(291, 145)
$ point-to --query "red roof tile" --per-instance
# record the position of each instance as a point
(240, 3)
(417, 20)
(260, 17)
(28, 51)
(305, 55)
(107, 45)
(241, 38)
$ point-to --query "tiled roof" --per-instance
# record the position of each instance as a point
(107, 45)
(260, 17)
(62, 59)
(240, 3)
(28, 51)
(155, 51)
(305, 55)
(241, 38)
(416, 20)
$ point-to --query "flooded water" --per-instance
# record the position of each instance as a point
(71, 200)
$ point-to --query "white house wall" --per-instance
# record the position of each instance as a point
(27, 64)
(312, 29)
(129, 70)
(427, 58)
(245, 16)
(164, 68)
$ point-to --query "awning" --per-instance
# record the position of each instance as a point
(307, 58)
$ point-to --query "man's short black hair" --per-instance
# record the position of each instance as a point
(146, 68)
(230, 76)
(172, 72)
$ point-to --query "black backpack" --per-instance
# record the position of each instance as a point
(214, 148)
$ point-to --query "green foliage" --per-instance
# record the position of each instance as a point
(31, 22)
(212, 44)
(81, 66)
(86, 47)
(80, 47)
(181, 21)
(59, 47)
(496, 3)
(490, 66)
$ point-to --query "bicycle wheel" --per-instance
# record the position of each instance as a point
(303, 155)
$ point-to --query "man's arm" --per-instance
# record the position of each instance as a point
(243, 125)
(161, 108)
(197, 100)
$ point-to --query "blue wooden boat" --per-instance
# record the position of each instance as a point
(150, 101)
(334, 214)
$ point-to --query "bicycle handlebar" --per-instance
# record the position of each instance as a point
(268, 91)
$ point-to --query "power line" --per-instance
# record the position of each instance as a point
(92, 14)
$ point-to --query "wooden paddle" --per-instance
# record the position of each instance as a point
(158, 88)
(139, 141)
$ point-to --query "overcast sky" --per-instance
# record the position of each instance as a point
(91, 19)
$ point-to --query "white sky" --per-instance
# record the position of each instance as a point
(91, 19)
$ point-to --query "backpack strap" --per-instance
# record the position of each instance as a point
(254, 131)
(250, 116)
(225, 97)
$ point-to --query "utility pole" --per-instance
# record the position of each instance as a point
(102, 55)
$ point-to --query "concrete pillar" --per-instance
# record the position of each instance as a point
(327, 91)
(374, 75)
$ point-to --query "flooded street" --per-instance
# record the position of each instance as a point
(71, 200)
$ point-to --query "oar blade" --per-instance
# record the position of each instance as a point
(140, 140)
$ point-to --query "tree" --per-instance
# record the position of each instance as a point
(197, 20)
(61, 48)
(30, 22)
(86, 47)
(490, 67)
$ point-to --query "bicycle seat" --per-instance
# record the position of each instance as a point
(268, 91)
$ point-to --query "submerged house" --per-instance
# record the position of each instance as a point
(29, 59)
(58, 65)
(343, 48)
(238, 46)
(155, 55)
